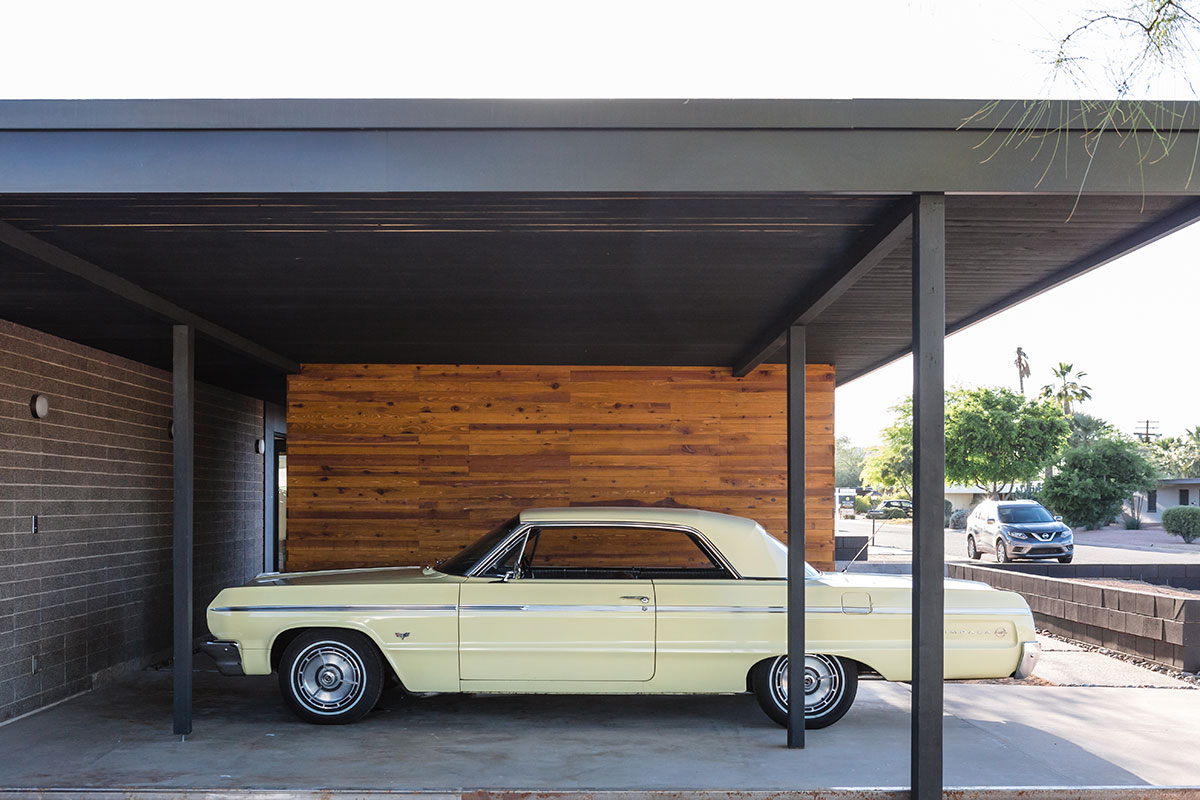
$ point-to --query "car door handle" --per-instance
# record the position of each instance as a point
(641, 598)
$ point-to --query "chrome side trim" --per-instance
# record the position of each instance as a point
(308, 609)
(724, 609)
(508, 609)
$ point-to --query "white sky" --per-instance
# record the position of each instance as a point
(1131, 325)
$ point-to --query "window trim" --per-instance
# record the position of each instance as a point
(523, 529)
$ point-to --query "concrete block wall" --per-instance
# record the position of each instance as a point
(1158, 627)
(89, 595)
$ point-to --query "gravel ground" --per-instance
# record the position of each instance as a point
(1187, 677)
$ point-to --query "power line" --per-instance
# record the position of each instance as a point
(1148, 430)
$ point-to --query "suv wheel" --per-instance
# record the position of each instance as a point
(972, 550)
(1002, 552)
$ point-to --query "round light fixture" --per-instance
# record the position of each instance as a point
(260, 446)
(39, 406)
(171, 429)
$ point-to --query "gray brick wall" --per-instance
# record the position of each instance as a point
(89, 595)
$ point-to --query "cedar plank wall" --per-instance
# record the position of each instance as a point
(404, 464)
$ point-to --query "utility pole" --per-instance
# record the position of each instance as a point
(1148, 430)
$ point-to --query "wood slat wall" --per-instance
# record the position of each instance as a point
(402, 464)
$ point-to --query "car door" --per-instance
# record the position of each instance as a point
(571, 609)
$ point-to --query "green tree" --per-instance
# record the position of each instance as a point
(1177, 456)
(848, 462)
(996, 438)
(1068, 391)
(890, 466)
(1094, 482)
(1086, 429)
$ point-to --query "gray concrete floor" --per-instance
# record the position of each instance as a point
(996, 734)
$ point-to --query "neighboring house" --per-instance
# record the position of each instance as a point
(965, 496)
(1171, 492)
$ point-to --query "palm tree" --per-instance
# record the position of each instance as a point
(1022, 365)
(1086, 429)
(1071, 391)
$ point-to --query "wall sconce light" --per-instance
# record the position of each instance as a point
(39, 406)
(171, 430)
(260, 446)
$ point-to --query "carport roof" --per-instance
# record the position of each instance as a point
(588, 232)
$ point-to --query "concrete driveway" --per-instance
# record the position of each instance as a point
(996, 734)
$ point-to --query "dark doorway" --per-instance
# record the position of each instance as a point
(1152, 501)
(279, 500)
(1183, 497)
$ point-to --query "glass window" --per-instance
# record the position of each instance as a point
(469, 556)
(555, 551)
(1020, 515)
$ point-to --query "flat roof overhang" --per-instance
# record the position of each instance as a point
(592, 232)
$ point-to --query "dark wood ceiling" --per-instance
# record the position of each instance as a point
(524, 278)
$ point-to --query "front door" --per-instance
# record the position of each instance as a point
(527, 629)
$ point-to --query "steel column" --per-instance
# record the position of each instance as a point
(929, 468)
(795, 568)
(274, 423)
(184, 380)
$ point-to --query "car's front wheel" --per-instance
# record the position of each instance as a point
(331, 676)
(1065, 559)
(972, 550)
(1002, 552)
(830, 686)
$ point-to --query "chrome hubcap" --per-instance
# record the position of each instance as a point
(823, 682)
(328, 677)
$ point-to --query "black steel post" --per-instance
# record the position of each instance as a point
(184, 379)
(795, 500)
(274, 423)
(929, 468)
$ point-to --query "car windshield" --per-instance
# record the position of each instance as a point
(462, 562)
(1024, 514)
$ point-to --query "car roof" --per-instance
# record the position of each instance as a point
(1018, 502)
(743, 542)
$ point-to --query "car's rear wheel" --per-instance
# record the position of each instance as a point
(331, 676)
(1002, 552)
(972, 550)
(830, 686)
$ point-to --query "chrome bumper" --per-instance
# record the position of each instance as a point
(1030, 653)
(228, 656)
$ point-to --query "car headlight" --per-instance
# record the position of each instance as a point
(1016, 534)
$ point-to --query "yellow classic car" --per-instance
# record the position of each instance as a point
(600, 600)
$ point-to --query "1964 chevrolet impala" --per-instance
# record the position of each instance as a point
(599, 600)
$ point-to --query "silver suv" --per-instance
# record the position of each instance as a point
(1015, 529)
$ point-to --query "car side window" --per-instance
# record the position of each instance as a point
(615, 552)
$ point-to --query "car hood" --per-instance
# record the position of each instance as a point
(351, 577)
(1036, 527)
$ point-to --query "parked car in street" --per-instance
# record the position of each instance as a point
(600, 601)
(1018, 529)
(881, 511)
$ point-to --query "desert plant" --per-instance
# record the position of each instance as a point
(1182, 521)
(1131, 522)
(958, 520)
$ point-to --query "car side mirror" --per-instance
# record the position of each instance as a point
(1058, 518)
(991, 521)
(511, 575)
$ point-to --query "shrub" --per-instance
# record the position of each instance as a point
(861, 504)
(894, 513)
(1094, 482)
(958, 520)
(949, 508)
(1182, 521)
(1131, 522)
